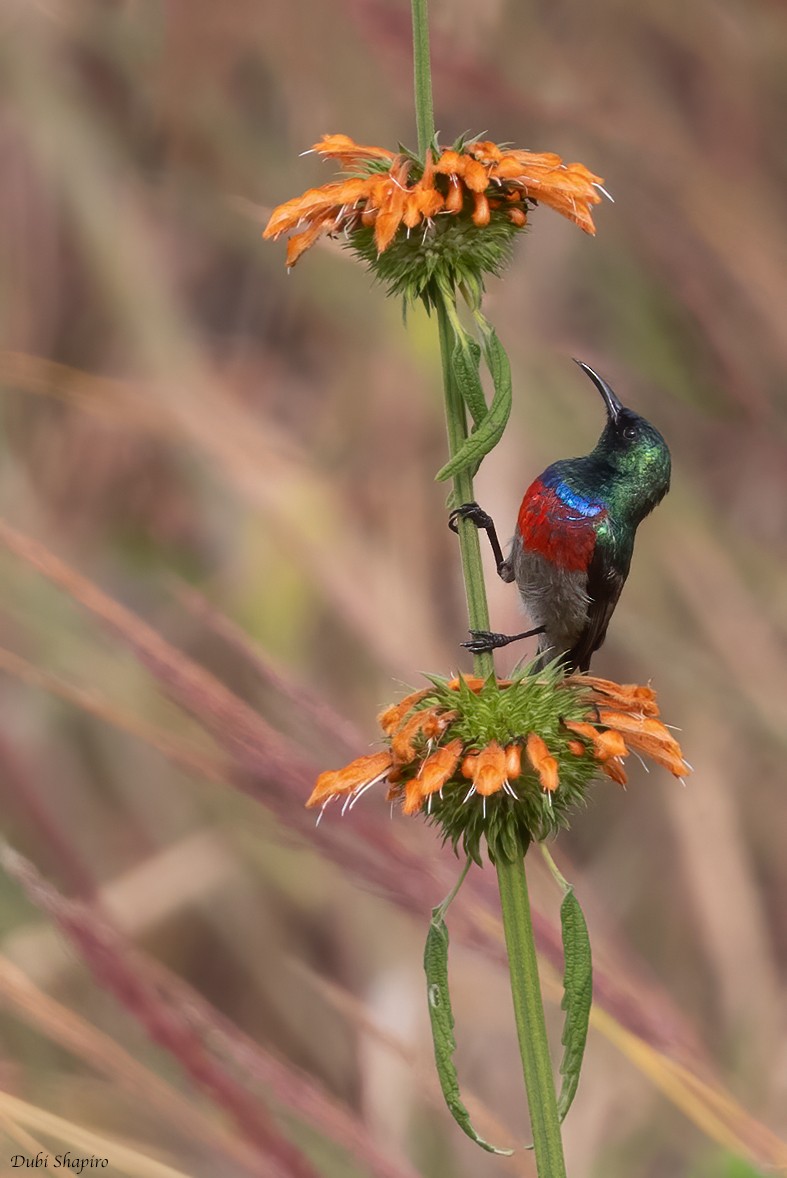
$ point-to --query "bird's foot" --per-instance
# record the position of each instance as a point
(486, 640)
(471, 511)
(482, 519)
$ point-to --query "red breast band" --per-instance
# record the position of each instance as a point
(548, 526)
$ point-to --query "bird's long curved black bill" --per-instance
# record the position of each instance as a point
(611, 401)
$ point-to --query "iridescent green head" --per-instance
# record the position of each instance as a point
(632, 453)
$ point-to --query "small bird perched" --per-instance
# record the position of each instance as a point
(574, 539)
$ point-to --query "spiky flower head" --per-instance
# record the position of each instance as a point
(446, 221)
(505, 761)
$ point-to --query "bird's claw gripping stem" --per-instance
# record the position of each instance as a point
(488, 640)
(482, 519)
(473, 512)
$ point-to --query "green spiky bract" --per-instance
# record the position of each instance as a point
(532, 703)
(450, 253)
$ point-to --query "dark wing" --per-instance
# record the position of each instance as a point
(605, 582)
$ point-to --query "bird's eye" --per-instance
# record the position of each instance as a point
(630, 433)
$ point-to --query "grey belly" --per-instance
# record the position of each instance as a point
(554, 598)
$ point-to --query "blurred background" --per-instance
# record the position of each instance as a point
(224, 552)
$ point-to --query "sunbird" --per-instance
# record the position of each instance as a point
(574, 537)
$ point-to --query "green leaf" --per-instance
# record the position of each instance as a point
(490, 429)
(577, 997)
(465, 360)
(442, 1019)
(497, 360)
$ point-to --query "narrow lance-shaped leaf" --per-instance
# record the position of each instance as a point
(490, 430)
(465, 361)
(577, 997)
(442, 1020)
(497, 362)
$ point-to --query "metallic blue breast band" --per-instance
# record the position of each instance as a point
(576, 501)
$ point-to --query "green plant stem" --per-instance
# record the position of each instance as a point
(422, 71)
(529, 1016)
(557, 874)
(469, 542)
(525, 987)
(440, 911)
(455, 413)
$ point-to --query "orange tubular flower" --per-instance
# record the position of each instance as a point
(438, 767)
(481, 210)
(456, 197)
(392, 717)
(513, 761)
(315, 203)
(605, 744)
(403, 738)
(348, 152)
(462, 166)
(413, 798)
(628, 696)
(615, 771)
(489, 770)
(357, 775)
(423, 201)
(473, 182)
(542, 761)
